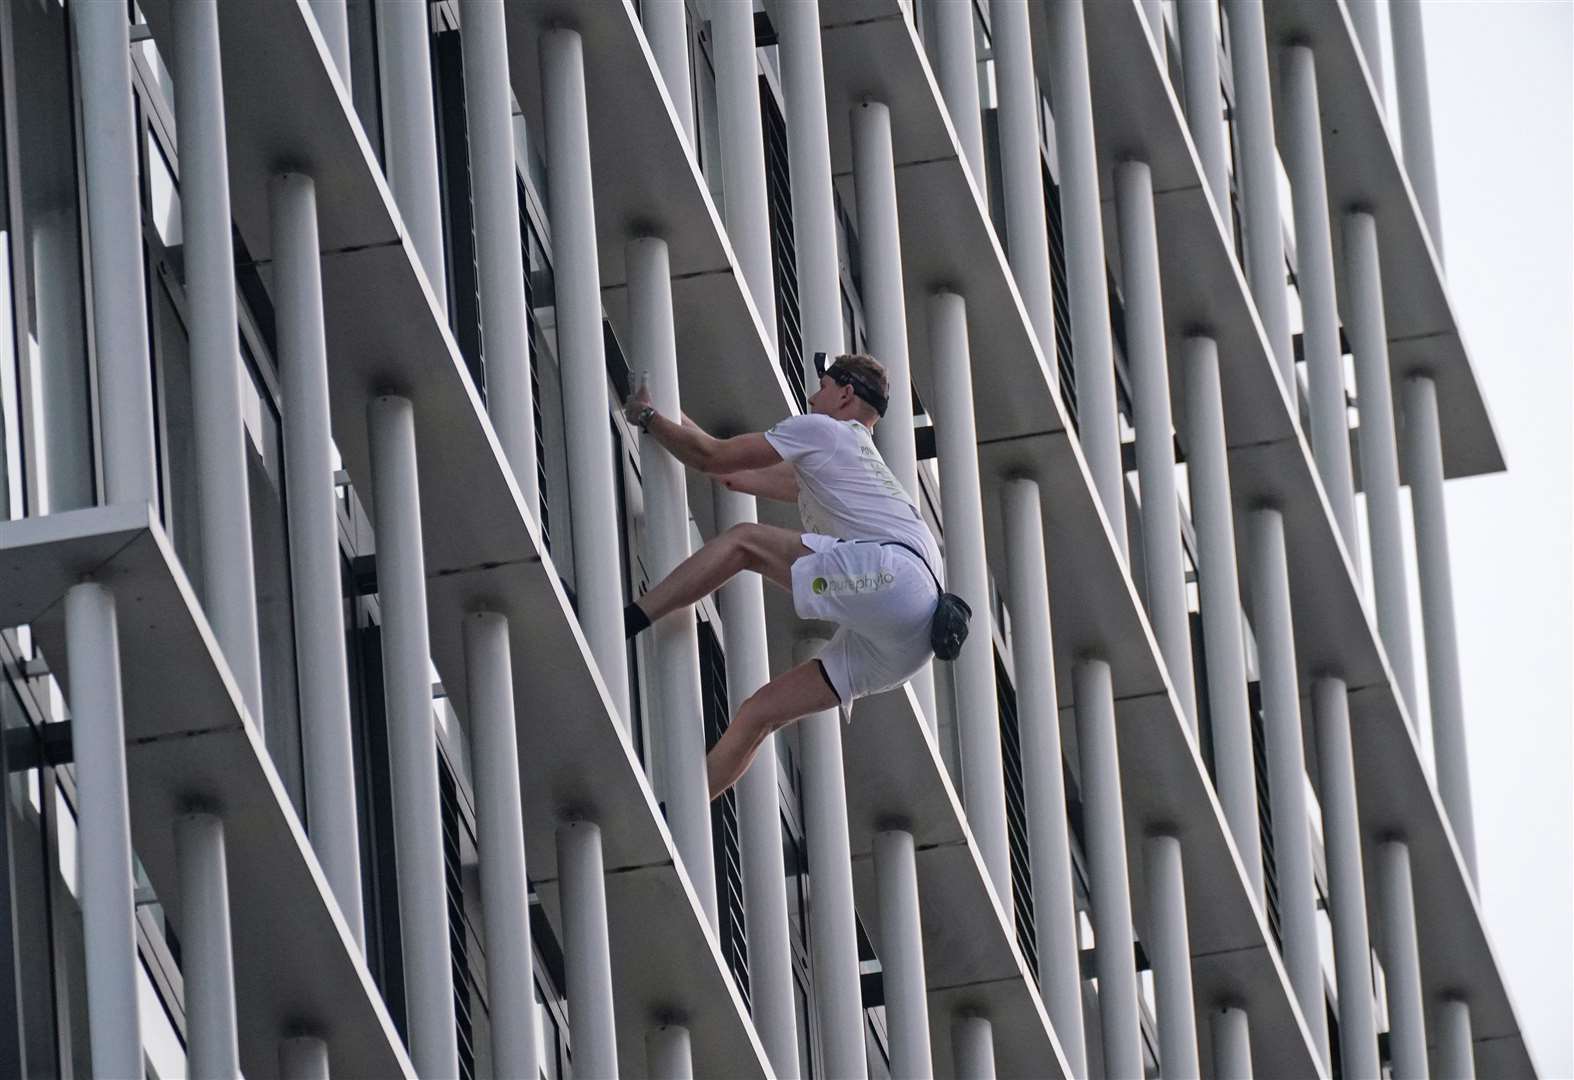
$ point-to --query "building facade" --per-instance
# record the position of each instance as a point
(325, 752)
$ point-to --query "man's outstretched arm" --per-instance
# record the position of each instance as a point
(698, 449)
(716, 457)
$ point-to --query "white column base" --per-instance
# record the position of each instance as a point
(587, 955)
(668, 1053)
(1346, 877)
(902, 954)
(675, 674)
(592, 465)
(1038, 714)
(833, 934)
(1232, 1047)
(1402, 964)
(1170, 952)
(207, 963)
(973, 1046)
(1456, 1053)
(303, 1057)
(98, 743)
(1282, 736)
(1105, 838)
(312, 515)
(772, 991)
(505, 888)
(412, 737)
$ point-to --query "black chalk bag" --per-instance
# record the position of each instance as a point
(948, 626)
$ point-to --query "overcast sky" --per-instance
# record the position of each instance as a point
(1503, 123)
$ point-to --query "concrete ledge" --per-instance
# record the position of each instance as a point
(1364, 169)
(972, 964)
(189, 737)
(647, 183)
(871, 53)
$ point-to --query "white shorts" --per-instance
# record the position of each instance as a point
(882, 597)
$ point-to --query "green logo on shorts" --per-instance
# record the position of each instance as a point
(863, 583)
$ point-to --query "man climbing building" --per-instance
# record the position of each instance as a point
(865, 560)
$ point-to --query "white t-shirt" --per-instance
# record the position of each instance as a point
(845, 489)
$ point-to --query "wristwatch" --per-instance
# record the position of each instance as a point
(646, 415)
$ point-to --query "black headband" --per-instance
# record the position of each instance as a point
(862, 387)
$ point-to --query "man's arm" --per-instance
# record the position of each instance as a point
(716, 457)
(779, 482)
(696, 448)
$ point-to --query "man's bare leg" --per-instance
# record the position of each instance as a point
(788, 697)
(764, 549)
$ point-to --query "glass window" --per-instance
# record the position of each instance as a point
(161, 77)
(71, 974)
(549, 1040)
(66, 841)
(374, 799)
(55, 385)
(797, 885)
(361, 15)
(805, 1049)
(627, 493)
(984, 52)
(707, 127)
(271, 573)
(176, 424)
(849, 323)
(1380, 993)
(1145, 992)
(31, 878)
(877, 1058)
(14, 490)
(160, 1043)
(264, 455)
(164, 194)
(552, 436)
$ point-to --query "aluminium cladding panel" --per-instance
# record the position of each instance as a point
(386, 333)
(1364, 168)
(189, 737)
(646, 183)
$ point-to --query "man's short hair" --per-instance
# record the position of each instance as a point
(866, 368)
